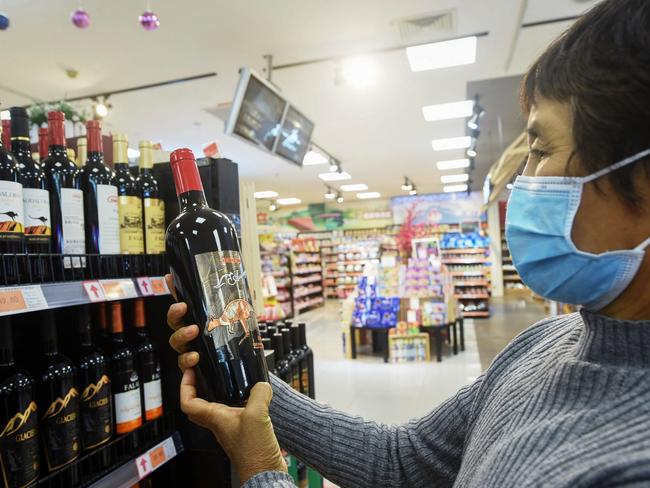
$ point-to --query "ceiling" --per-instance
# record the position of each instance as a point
(378, 132)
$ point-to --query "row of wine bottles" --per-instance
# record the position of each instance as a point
(55, 206)
(294, 359)
(53, 411)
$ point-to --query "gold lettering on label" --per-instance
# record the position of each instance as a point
(24, 436)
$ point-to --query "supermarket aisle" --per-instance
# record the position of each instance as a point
(389, 393)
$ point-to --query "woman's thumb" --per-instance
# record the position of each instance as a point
(259, 400)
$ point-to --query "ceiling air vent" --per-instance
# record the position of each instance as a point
(424, 28)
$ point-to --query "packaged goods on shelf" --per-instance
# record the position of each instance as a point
(372, 310)
(420, 278)
(407, 344)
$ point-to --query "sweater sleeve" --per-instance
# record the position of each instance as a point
(351, 451)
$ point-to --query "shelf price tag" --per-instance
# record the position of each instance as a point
(118, 289)
(21, 299)
(144, 283)
(159, 286)
(155, 457)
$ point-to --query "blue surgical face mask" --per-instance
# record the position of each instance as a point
(539, 220)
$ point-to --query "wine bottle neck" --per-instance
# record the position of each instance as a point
(21, 146)
(95, 157)
(6, 344)
(191, 200)
(58, 151)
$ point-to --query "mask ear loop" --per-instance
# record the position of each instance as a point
(615, 166)
(643, 245)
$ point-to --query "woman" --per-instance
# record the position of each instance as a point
(567, 403)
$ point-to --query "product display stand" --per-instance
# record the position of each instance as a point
(306, 275)
(380, 340)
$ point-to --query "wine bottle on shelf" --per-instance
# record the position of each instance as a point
(148, 365)
(154, 206)
(11, 208)
(58, 399)
(36, 199)
(307, 368)
(66, 198)
(205, 260)
(129, 201)
(124, 377)
(82, 152)
(95, 387)
(299, 354)
(282, 370)
(292, 359)
(19, 449)
(43, 144)
(100, 197)
(6, 133)
(103, 336)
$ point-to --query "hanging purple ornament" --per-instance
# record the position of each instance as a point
(4, 21)
(149, 21)
(80, 18)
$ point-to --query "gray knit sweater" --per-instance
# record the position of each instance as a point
(566, 404)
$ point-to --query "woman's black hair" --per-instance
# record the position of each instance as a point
(601, 67)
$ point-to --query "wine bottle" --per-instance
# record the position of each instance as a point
(82, 152)
(36, 199)
(294, 366)
(299, 354)
(43, 144)
(6, 133)
(94, 385)
(307, 369)
(100, 197)
(103, 336)
(66, 198)
(282, 370)
(154, 206)
(129, 200)
(11, 208)
(19, 458)
(148, 365)
(124, 377)
(58, 398)
(208, 272)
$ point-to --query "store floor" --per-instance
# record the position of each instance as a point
(394, 393)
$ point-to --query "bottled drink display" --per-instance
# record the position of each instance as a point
(281, 364)
(154, 206)
(205, 259)
(36, 199)
(82, 152)
(43, 144)
(129, 200)
(11, 202)
(58, 398)
(148, 365)
(19, 449)
(6, 133)
(66, 198)
(124, 377)
(307, 367)
(94, 385)
(100, 197)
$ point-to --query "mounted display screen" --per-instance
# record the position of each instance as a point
(294, 136)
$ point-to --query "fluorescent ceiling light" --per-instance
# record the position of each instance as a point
(443, 54)
(454, 178)
(444, 111)
(265, 194)
(451, 143)
(355, 187)
(312, 158)
(453, 164)
(289, 201)
(369, 194)
(359, 72)
(132, 153)
(454, 188)
(335, 176)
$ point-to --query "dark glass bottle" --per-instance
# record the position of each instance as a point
(66, 198)
(153, 205)
(19, 458)
(148, 365)
(58, 400)
(292, 359)
(95, 387)
(102, 333)
(307, 371)
(100, 197)
(299, 354)
(282, 370)
(36, 199)
(11, 210)
(124, 377)
(5, 140)
(129, 200)
(43, 144)
(206, 264)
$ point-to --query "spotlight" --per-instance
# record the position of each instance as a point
(413, 191)
(407, 185)
(335, 166)
(339, 198)
(101, 107)
(472, 153)
(330, 195)
(274, 206)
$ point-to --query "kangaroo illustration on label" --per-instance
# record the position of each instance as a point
(236, 311)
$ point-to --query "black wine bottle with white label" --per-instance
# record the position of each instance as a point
(58, 400)
(209, 275)
(19, 458)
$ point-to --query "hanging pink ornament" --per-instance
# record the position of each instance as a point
(149, 21)
(80, 18)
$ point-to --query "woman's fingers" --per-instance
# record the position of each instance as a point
(175, 315)
(200, 411)
(188, 360)
(179, 339)
(170, 285)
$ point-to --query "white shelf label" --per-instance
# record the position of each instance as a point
(20, 299)
(94, 291)
(144, 284)
(155, 457)
(118, 289)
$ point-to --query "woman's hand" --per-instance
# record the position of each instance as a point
(246, 434)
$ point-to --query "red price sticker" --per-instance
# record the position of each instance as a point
(12, 301)
(158, 286)
(157, 456)
(113, 290)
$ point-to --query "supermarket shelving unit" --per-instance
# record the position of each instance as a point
(306, 275)
(469, 268)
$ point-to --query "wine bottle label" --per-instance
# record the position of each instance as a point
(19, 448)
(225, 292)
(96, 413)
(36, 208)
(130, 214)
(11, 210)
(154, 225)
(72, 213)
(60, 430)
(128, 409)
(304, 380)
(153, 405)
(109, 222)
